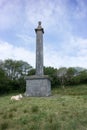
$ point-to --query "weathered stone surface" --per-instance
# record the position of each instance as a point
(38, 86)
(39, 49)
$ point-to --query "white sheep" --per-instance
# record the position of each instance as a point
(17, 97)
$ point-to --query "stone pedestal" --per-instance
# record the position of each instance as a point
(38, 86)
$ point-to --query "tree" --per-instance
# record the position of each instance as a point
(16, 69)
(83, 76)
(12, 75)
(62, 75)
(71, 72)
(4, 82)
(52, 73)
(32, 72)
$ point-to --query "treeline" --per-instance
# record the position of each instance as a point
(63, 76)
(13, 73)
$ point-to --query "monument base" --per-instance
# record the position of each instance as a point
(38, 86)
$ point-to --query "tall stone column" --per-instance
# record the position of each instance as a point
(39, 49)
(39, 84)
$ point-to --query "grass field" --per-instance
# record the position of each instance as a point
(66, 109)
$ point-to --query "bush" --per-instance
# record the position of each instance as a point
(4, 83)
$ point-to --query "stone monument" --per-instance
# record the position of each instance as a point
(38, 84)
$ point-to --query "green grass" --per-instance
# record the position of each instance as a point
(66, 109)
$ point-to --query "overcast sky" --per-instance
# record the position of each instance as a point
(64, 23)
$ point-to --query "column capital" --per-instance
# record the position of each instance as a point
(39, 28)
